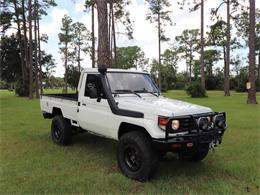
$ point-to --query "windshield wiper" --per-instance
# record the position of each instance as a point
(128, 91)
(145, 91)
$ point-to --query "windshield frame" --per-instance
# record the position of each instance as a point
(129, 72)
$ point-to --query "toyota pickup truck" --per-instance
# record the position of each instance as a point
(127, 106)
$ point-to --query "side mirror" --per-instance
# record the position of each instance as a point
(93, 93)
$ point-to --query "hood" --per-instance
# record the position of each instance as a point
(159, 105)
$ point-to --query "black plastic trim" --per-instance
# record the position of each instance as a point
(67, 96)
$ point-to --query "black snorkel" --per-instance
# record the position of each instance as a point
(111, 101)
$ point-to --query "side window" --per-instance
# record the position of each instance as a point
(93, 81)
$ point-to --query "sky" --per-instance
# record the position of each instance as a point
(145, 33)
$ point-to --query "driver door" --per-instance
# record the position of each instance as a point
(94, 114)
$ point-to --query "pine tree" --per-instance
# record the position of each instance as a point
(65, 38)
(159, 14)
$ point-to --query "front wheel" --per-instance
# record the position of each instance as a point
(136, 157)
(197, 154)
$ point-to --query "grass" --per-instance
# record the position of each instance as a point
(31, 163)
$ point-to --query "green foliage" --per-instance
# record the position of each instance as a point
(211, 56)
(122, 15)
(73, 76)
(171, 58)
(195, 90)
(80, 38)
(241, 21)
(21, 89)
(55, 82)
(3, 85)
(181, 80)
(168, 72)
(187, 44)
(10, 59)
(130, 57)
(6, 19)
(43, 6)
(241, 79)
(66, 35)
(49, 65)
(159, 14)
(217, 36)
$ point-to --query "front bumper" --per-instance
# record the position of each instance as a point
(191, 137)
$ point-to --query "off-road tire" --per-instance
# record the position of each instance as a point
(61, 132)
(197, 154)
(147, 157)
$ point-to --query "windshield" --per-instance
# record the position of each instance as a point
(121, 82)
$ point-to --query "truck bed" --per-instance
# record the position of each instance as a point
(67, 103)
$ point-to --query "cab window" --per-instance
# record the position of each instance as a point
(94, 81)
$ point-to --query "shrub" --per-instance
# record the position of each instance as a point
(195, 90)
(21, 89)
(3, 85)
(179, 85)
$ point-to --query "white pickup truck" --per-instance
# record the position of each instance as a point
(127, 106)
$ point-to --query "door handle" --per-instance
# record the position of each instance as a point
(83, 104)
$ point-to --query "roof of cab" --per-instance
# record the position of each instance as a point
(95, 70)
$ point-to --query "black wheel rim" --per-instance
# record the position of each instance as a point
(132, 158)
(56, 132)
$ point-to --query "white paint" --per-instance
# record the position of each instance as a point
(98, 118)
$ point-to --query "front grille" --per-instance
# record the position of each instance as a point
(187, 124)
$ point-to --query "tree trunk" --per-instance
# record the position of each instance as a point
(159, 52)
(66, 68)
(109, 33)
(190, 62)
(93, 35)
(35, 50)
(25, 44)
(225, 60)
(25, 35)
(226, 69)
(79, 49)
(251, 99)
(258, 69)
(114, 36)
(103, 47)
(30, 50)
(39, 54)
(20, 41)
(202, 72)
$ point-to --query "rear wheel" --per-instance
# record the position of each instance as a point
(61, 132)
(136, 157)
(197, 154)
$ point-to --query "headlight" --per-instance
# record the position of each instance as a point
(175, 124)
(203, 123)
(219, 121)
(163, 121)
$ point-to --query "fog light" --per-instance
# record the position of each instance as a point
(219, 121)
(203, 123)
